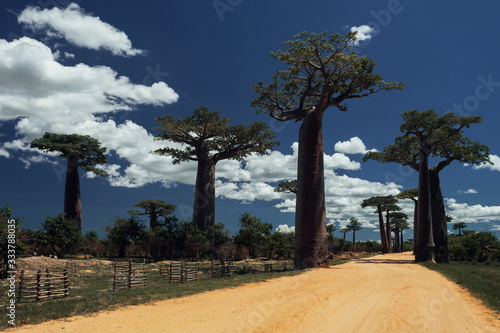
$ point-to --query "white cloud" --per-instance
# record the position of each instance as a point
(495, 227)
(463, 212)
(469, 191)
(78, 28)
(363, 32)
(354, 146)
(285, 229)
(495, 166)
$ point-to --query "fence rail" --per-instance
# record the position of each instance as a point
(42, 285)
(129, 275)
(222, 268)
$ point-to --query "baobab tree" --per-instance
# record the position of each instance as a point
(397, 223)
(411, 194)
(428, 134)
(209, 139)
(354, 225)
(379, 202)
(153, 208)
(459, 226)
(79, 151)
(322, 72)
(289, 186)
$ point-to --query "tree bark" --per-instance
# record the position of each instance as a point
(439, 226)
(311, 247)
(415, 223)
(354, 240)
(402, 247)
(388, 232)
(383, 234)
(424, 251)
(397, 246)
(204, 195)
(72, 199)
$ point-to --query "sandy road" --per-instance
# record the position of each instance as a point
(381, 294)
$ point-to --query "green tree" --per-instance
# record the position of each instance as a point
(209, 139)
(380, 202)
(354, 225)
(427, 134)
(321, 72)
(344, 231)
(252, 234)
(60, 233)
(411, 194)
(9, 235)
(459, 226)
(125, 231)
(153, 208)
(79, 151)
(287, 186)
(389, 207)
(398, 223)
(330, 229)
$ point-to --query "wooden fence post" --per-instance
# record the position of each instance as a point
(66, 283)
(21, 285)
(38, 287)
(129, 272)
(48, 282)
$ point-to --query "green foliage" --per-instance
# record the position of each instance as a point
(207, 134)
(153, 208)
(123, 232)
(354, 225)
(287, 186)
(85, 150)
(439, 136)
(195, 240)
(411, 194)
(478, 246)
(60, 234)
(321, 71)
(459, 226)
(252, 234)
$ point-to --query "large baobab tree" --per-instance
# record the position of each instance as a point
(427, 134)
(79, 151)
(208, 139)
(354, 225)
(411, 194)
(380, 203)
(153, 208)
(321, 72)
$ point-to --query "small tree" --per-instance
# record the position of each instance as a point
(459, 226)
(411, 194)
(208, 139)
(79, 151)
(321, 72)
(155, 209)
(354, 225)
(123, 232)
(398, 223)
(60, 234)
(345, 230)
(252, 234)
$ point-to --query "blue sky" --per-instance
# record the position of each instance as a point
(109, 68)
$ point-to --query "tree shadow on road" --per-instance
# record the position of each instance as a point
(384, 261)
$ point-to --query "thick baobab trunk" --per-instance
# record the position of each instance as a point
(311, 247)
(424, 250)
(388, 232)
(72, 199)
(383, 234)
(204, 195)
(153, 220)
(402, 247)
(354, 240)
(397, 246)
(439, 227)
(415, 223)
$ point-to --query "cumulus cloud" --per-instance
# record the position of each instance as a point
(463, 212)
(469, 191)
(364, 32)
(78, 28)
(495, 166)
(285, 229)
(353, 146)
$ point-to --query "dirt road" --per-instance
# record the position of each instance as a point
(381, 294)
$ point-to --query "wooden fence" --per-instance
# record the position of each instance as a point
(180, 272)
(42, 285)
(129, 275)
(222, 268)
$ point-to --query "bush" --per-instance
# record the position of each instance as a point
(476, 247)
